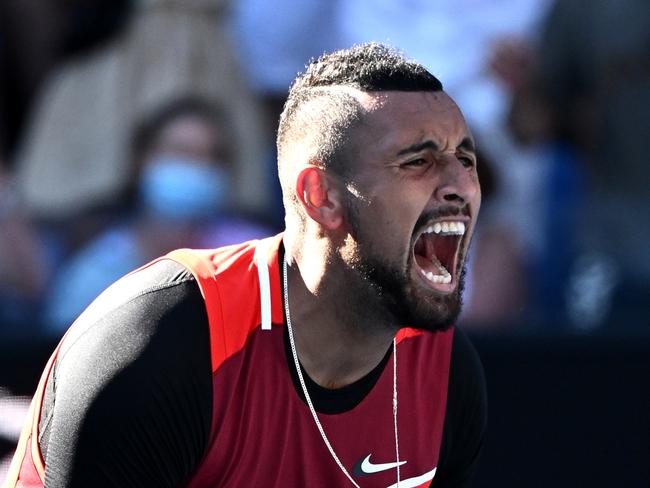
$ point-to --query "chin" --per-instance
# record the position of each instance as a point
(431, 312)
(407, 301)
(441, 318)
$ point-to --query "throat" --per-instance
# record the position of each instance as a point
(338, 340)
(333, 401)
(336, 364)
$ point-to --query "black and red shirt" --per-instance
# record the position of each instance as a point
(163, 383)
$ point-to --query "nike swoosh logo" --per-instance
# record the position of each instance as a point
(365, 467)
(416, 481)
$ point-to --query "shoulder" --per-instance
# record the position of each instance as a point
(138, 303)
(134, 367)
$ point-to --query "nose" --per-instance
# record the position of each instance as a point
(456, 183)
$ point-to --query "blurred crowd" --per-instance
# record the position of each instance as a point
(129, 128)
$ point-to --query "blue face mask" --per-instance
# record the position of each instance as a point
(183, 189)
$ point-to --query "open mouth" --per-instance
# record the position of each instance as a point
(436, 252)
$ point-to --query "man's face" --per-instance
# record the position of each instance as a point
(413, 197)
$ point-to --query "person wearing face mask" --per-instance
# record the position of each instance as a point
(176, 187)
(181, 198)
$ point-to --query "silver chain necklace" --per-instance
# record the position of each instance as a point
(308, 398)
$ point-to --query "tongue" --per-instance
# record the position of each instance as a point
(425, 255)
(431, 264)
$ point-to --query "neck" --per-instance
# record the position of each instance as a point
(340, 336)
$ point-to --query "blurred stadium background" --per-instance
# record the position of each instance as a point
(556, 92)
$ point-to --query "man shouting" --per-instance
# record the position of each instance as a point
(321, 357)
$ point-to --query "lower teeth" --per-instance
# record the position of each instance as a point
(443, 277)
(446, 278)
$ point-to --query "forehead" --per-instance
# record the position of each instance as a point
(187, 130)
(190, 135)
(396, 120)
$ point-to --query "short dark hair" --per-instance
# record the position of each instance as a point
(326, 116)
(369, 67)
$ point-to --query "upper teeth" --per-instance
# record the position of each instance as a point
(446, 228)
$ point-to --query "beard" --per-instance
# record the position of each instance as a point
(391, 287)
(407, 304)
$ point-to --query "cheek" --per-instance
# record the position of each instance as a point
(392, 207)
(392, 220)
(388, 206)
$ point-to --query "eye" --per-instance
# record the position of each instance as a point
(466, 161)
(415, 163)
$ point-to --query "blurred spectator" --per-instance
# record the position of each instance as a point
(595, 76)
(182, 155)
(35, 35)
(542, 182)
(22, 265)
(74, 153)
(30, 35)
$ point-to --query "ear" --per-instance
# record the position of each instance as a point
(319, 197)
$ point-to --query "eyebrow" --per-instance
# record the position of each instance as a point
(417, 147)
(467, 144)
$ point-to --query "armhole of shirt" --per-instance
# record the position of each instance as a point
(204, 272)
